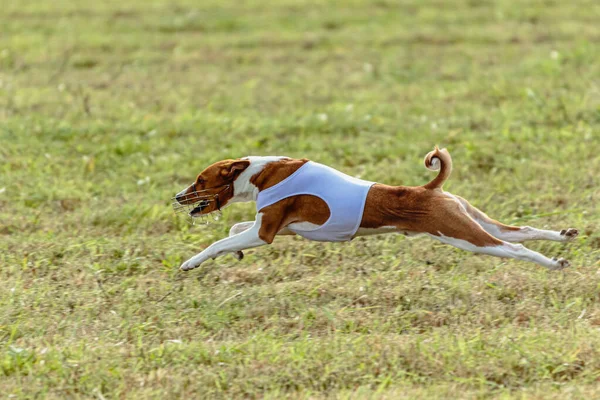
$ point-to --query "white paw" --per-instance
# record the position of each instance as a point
(569, 234)
(239, 255)
(190, 264)
(559, 264)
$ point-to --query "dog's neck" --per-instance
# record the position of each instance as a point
(243, 189)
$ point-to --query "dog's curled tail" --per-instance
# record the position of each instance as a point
(438, 160)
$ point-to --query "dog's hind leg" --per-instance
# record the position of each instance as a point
(506, 250)
(452, 225)
(515, 233)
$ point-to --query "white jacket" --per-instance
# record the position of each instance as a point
(345, 196)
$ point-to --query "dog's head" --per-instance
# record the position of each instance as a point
(213, 188)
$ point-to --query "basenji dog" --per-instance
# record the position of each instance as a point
(301, 197)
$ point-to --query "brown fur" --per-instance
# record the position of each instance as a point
(420, 209)
(275, 172)
(302, 208)
(292, 210)
(215, 179)
(445, 170)
(480, 215)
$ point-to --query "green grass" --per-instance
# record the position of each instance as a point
(109, 108)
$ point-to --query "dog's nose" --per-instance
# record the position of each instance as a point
(181, 196)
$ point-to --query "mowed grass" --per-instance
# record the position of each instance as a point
(109, 108)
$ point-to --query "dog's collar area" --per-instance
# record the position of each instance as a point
(197, 200)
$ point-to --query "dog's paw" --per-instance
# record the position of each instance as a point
(189, 265)
(559, 264)
(186, 266)
(239, 255)
(569, 234)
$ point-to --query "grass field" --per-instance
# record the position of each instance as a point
(109, 108)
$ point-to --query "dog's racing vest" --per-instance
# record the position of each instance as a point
(345, 196)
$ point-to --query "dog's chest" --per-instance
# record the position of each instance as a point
(344, 195)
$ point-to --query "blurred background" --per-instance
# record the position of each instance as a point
(107, 109)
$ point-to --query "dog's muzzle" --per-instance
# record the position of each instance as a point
(195, 202)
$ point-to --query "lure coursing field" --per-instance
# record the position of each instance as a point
(108, 109)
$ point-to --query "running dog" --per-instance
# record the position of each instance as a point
(302, 197)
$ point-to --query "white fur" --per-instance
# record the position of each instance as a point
(243, 226)
(457, 200)
(243, 189)
(240, 227)
(244, 240)
(505, 250)
(245, 235)
(435, 164)
(182, 192)
(523, 234)
(303, 226)
(307, 226)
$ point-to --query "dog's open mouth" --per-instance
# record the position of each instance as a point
(196, 211)
(196, 203)
(198, 208)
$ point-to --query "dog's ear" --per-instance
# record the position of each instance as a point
(234, 168)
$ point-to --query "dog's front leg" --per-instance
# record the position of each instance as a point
(244, 240)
